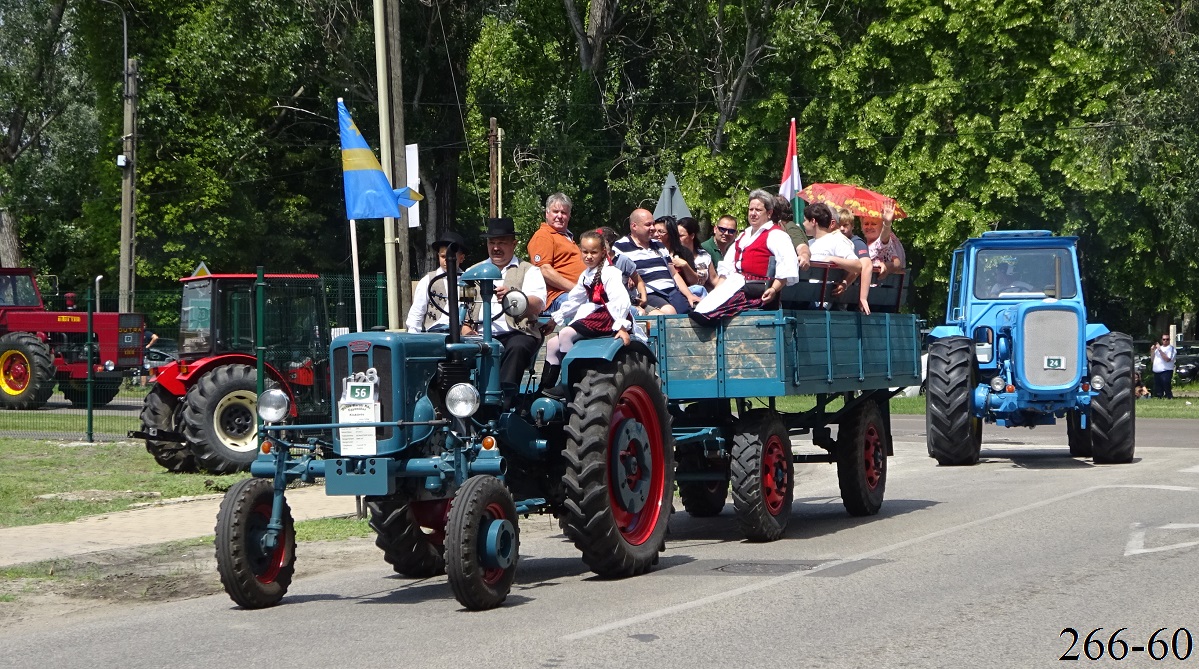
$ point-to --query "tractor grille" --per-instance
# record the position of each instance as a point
(1050, 336)
(379, 357)
(450, 373)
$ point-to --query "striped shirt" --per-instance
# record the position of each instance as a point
(653, 264)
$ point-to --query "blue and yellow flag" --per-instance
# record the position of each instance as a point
(368, 192)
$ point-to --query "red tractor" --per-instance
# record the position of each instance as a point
(39, 348)
(201, 413)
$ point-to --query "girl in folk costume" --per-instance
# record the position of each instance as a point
(760, 261)
(598, 306)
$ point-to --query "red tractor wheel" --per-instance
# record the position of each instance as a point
(26, 371)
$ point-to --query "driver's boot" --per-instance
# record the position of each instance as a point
(549, 381)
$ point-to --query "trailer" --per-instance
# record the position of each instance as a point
(420, 432)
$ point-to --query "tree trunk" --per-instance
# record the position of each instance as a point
(10, 247)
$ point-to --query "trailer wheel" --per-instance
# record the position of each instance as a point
(254, 576)
(219, 419)
(103, 392)
(763, 473)
(1078, 436)
(704, 499)
(26, 371)
(862, 460)
(619, 458)
(954, 434)
(482, 543)
(164, 411)
(1113, 410)
(405, 547)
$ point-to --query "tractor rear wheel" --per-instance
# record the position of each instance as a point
(763, 473)
(103, 392)
(1113, 410)
(220, 419)
(619, 475)
(954, 434)
(163, 411)
(254, 575)
(405, 547)
(26, 371)
(862, 460)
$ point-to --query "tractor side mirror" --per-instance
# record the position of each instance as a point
(515, 303)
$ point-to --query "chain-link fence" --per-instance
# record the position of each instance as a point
(117, 402)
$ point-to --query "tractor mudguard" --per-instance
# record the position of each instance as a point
(1095, 331)
(177, 377)
(602, 348)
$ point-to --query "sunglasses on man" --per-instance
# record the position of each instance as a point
(727, 231)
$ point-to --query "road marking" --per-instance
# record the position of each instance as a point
(1190, 470)
(772, 582)
(1136, 540)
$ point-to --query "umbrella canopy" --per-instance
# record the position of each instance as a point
(863, 202)
(670, 202)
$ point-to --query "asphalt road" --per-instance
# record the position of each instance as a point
(964, 567)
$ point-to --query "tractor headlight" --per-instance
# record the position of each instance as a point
(1097, 382)
(462, 400)
(273, 405)
(998, 384)
(109, 365)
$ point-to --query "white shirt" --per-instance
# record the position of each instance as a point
(533, 286)
(786, 263)
(420, 305)
(578, 302)
(832, 245)
(1163, 358)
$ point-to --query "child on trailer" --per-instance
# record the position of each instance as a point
(598, 306)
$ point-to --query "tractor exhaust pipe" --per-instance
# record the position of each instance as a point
(451, 291)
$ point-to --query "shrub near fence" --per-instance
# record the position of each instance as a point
(59, 419)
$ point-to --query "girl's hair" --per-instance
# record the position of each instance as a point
(598, 236)
(672, 242)
(692, 227)
(610, 235)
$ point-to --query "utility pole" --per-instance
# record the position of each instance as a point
(128, 163)
(399, 159)
(382, 81)
(493, 154)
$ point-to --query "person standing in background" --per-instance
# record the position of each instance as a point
(1163, 367)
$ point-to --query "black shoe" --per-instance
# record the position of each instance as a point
(549, 377)
(556, 393)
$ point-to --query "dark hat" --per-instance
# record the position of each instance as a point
(499, 227)
(449, 237)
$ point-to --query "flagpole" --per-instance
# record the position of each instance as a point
(357, 283)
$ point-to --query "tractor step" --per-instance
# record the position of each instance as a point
(155, 434)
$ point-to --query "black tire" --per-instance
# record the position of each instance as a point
(704, 499)
(482, 543)
(254, 577)
(103, 392)
(954, 434)
(405, 547)
(1113, 410)
(862, 460)
(1077, 436)
(616, 410)
(26, 371)
(220, 420)
(164, 411)
(763, 474)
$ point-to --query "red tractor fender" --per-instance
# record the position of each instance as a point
(179, 376)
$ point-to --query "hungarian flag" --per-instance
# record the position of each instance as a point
(791, 183)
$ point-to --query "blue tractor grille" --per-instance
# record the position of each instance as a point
(378, 356)
(1050, 339)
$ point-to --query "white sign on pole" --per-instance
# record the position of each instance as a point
(412, 163)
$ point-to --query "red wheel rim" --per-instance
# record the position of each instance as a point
(494, 511)
(776, 480)
(872, 451)
(16, 372)
(636, 527)
(266, 567)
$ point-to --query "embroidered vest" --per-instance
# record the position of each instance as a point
(439, 295)
(755, 260)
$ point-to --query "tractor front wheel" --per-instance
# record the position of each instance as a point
(1113, 410)
(26, 371)
(954, 434)
(482, 543)
(1079, 437)
(219, 419)
(254, 574)
(619, 467)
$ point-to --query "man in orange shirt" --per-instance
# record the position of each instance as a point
(553, 249)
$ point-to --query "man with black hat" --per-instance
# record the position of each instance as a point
(430, 310)
(520, 336)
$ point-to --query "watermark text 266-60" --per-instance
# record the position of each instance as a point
(1163, 643)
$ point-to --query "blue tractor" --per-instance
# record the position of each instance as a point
(1016, 350)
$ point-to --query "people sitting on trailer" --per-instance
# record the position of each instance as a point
(598, 306)
(845, 222)
(552, 248)
(784, 217)
(705, 264)
(886, 251)
(520, 336)
(754, 269)
(833, 247)
(666, 291)
(723, 234)
(430, 311)
(628, 270)
(666, 231)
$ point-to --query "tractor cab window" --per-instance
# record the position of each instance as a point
(236, 331)
(1021, 274)
(195, 321)
(292, 322)
(18, 291)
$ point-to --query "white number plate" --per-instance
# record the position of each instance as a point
(358, 441)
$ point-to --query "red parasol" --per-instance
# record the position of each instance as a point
(863, 202)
